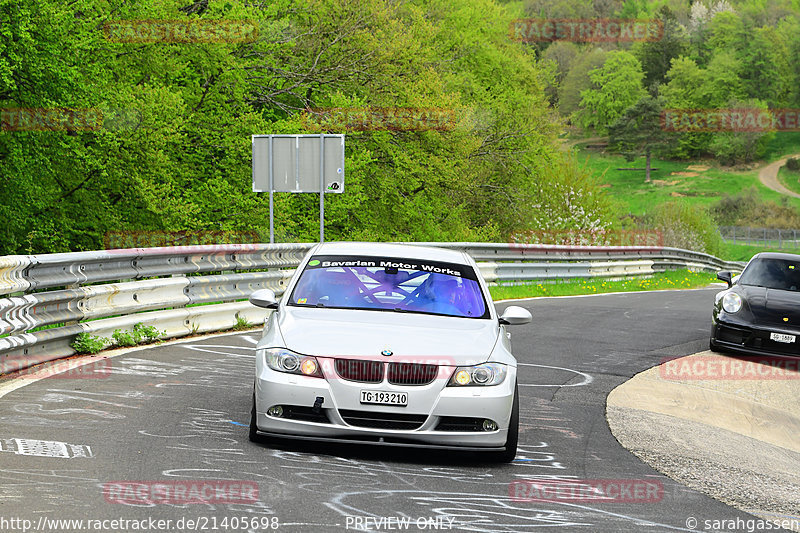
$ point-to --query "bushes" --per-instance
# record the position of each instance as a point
(747, 209)
(793, 164)
(685, 226)
(85, 343)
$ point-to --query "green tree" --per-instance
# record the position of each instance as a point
(577, 80)
(174, 150)
(656, 56)
(731, 147)
(766, 70)
(615, 86)
(639, 131)
(561, 54)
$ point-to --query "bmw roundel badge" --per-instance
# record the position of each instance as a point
(387, 353)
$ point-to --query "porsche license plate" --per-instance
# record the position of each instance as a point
(781, 337)
(384, 397)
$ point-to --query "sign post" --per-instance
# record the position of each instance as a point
(298, 164)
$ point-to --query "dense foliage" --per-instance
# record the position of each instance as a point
(713, 54)
(173, 152)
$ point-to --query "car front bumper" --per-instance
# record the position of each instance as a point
(436, 415)
(753, 339)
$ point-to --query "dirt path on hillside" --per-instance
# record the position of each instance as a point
(769, 177)
(768, 174)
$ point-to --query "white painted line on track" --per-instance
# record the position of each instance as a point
(586, 377)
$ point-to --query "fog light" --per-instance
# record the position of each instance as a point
(308, 367)
(489, 425)
(277, 412)
(462, 377)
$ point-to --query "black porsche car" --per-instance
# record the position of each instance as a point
(760, 311)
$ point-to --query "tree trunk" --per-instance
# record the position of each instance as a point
(647, 169)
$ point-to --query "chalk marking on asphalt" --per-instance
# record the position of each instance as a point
(65, 365)
(586, 377)
(202, 348)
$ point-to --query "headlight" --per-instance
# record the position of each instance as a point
(283, 360)
(478, 375)
(731, 302)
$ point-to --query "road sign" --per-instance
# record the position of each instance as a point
(298, 164)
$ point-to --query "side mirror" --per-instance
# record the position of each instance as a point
(264, 298)
(725, 276)
(515, 315)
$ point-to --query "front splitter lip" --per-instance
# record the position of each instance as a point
(381, 442)
(761, 331)
(755, 352)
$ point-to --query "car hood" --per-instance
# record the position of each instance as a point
(771, 306)
(416, 337)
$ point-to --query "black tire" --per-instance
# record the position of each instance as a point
(510, 452)
(713, 345)
(254, 436)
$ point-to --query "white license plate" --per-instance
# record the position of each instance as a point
(780, 337)
(384, 397)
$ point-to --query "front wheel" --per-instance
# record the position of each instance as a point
(510, 451)
(254, 437)
(712, 344)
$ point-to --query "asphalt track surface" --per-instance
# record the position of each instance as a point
(180, 411)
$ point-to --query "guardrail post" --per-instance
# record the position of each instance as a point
(72, 322)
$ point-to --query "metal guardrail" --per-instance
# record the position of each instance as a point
(164, 287)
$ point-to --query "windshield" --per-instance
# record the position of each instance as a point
(773, 274)
(390, 284)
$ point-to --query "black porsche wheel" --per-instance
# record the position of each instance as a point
(510, 452)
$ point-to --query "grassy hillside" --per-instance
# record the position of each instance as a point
(702, 183)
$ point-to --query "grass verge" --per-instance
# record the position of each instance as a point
(675, 279)
(790, 179)
(697, 183)
(743, 252)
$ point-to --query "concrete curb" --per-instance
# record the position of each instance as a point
(763, 409)
(735, 439)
